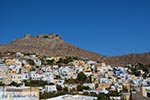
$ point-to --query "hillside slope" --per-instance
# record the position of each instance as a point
(47, 45)
(143, 58)
(54, 45)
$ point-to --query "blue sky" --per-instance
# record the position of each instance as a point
(108, 27)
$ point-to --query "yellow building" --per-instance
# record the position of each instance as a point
(133, 76)
(95, 78)
(126, 85)
(87, 69)
(10, 62)
(56, 58)
(79, 62)
(100, 86)
(114, 79)
(27, 66)
(12, 71)
(126, 96)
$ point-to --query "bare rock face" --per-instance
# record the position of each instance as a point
(49, 36)
(27, 35)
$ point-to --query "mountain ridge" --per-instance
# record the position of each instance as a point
(54, 45)
(47, 45)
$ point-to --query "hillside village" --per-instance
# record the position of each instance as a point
(65, 78)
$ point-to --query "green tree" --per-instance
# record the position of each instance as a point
(68, 60)
(2, 84)
(49, 62)
(114, 93)
(125, 89)
(43, 61)
(139, 65)
(65, 89)
(59, 88)
(44, 95)
(71, 81)
(65, 60)
(20, 71)
(101, 96)
(82, 77)
(13, 83)
(35, 83)
(51, 84)
(81, 88)
(31, 62)
(146, 69)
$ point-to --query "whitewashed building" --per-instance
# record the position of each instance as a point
(50, 88)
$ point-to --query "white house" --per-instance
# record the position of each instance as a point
(91, 62)
(104, 80)
(12, 67)
(16, 78)
(50, 88)
(115, 98)
(102, 68)
(79, 68)
(46, 68)
(88, 73)
(119, 88)
(37, 62)
(18, 63)
(1, 60)
(3, 70)
(48, 76)
(25, 76)
(64, 72)
(35, 75)
(91, 85)
(33, 56)
(55, 66)
(19, 54)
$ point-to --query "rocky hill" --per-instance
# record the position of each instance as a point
(54, 45)
(47, 45)
(143, 58)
